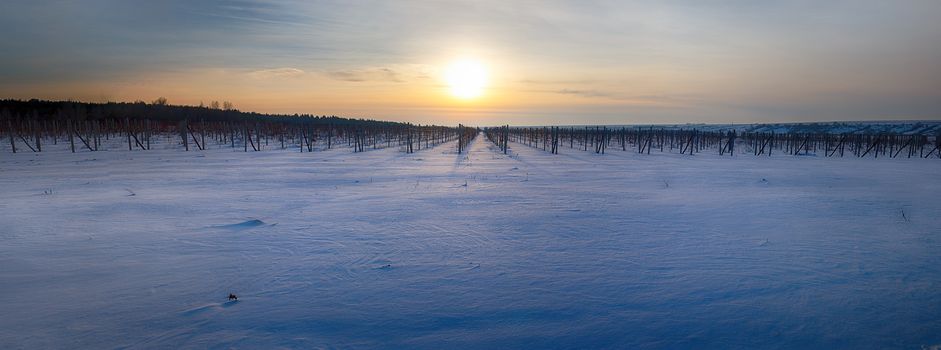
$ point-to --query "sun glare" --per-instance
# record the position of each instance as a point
(466, 78)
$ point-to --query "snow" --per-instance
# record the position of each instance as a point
(431, 250)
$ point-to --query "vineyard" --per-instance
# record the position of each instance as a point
(601, 139)
(82, 127)
(30, 126)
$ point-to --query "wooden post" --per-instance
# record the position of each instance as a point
(732, 144)
(13, 142)
(147, 135)
(460, 139)
(257, 144)
(38, 133)
(127, 125)
(71, 128)
(183, 131)
(95, 141)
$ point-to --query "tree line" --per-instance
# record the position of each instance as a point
(30, 125)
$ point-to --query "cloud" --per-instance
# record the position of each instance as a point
(557, 82)
(363, 75)
(650, 100)
(277, 73)
(583, 93)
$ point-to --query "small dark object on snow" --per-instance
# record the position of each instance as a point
(233, 297)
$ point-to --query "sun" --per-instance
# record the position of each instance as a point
(466, 78)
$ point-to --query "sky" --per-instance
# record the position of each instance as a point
(545, 62)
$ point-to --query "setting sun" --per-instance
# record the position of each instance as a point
(466, 78)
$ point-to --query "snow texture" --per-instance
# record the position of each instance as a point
(435, 250)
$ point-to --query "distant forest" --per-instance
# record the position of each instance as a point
(160, 110)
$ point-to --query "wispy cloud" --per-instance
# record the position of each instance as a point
(556, 82)
(662, 100)
(363, 75)
(393, 73)
(277, 73)
(583, 93)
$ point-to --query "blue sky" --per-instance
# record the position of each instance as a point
(549, 62)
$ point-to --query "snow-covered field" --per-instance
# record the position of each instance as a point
(436, 250)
